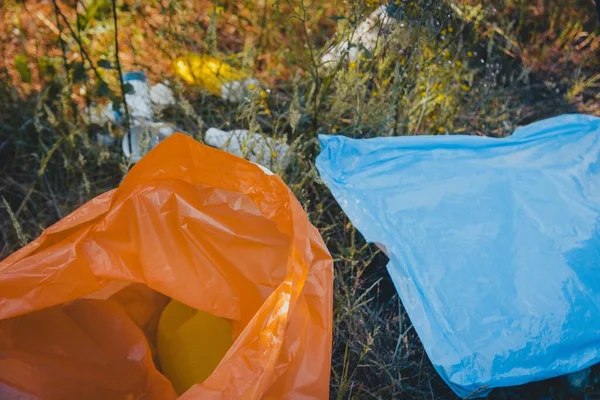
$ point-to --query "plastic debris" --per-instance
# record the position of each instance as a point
(144, 134)
(216, 76)
(494, 244)
(138, 100)
(161, 95)
(102, 114)
(82, 305)
(144, 137)
(104, 139)
(143, 103)
(260, 149)
(366, 35)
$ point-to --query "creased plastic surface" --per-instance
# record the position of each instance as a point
(192, 223)
(494, 244)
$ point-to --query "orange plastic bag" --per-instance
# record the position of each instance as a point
(79, 306)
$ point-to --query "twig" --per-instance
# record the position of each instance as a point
(54, 201)
(397, 103)
(314, 66)
(261, 38)
(423, 109)
(336, 70)
(87, 94)
(26, 198)
(120, 71)
(79, 43)
(15, 223)
(63, 51)
(476, 392)
(49, 24)
(4, 247)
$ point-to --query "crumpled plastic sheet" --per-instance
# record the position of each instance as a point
(493, 244)
(80, 304)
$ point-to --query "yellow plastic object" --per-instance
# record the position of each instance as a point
(80, 305)
(191, 343)
(210, 73)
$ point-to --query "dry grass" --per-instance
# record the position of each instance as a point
(457, 66)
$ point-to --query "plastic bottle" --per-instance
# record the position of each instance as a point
(138, 102)
(144, 136)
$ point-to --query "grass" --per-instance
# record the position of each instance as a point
(453, 67)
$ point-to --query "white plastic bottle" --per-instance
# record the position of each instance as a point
(138, 102)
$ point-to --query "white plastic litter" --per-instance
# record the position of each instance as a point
(367, 33)
(259, 149)
(102, 114)
(138, 102)
(236, 91)
(161, 95)
(144, 137)
(105, 139)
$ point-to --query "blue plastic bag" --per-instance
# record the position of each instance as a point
(494, 244)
